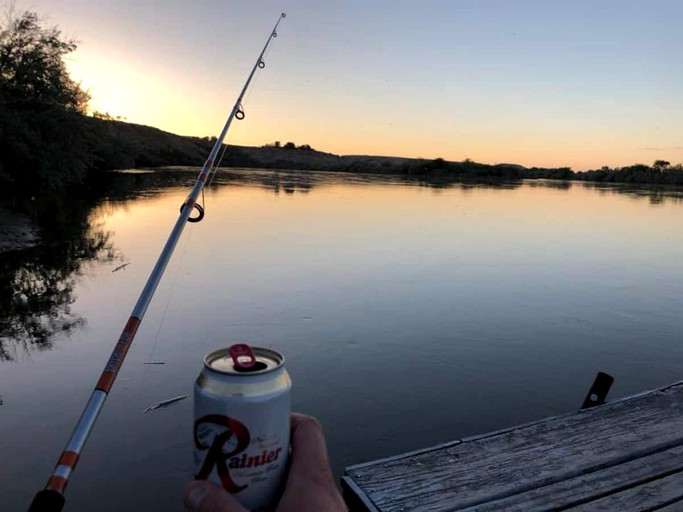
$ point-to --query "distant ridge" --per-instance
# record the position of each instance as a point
(311, 159)
(46, 150)
(511, 166)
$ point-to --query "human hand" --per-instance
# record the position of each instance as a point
(310, 486)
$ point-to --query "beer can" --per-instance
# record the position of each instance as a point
(241, 425)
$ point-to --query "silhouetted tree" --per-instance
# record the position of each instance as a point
(660, 165)
(106, 116)
(31, 65)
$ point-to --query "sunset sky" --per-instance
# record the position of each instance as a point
(580, 83)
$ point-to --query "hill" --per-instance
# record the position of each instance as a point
(46, 150)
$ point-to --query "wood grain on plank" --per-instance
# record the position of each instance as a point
(653, 495)
(573, 492)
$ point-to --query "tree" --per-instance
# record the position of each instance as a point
(31, 65)
(660, 165)
(106, 116)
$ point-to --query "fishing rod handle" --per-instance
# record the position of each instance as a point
(47, 501)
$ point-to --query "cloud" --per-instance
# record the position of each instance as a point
(665, 148)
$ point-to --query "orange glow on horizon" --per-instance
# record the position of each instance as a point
(158, 97)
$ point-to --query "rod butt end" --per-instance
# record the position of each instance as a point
(47, 501)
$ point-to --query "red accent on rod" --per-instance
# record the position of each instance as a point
(56, 483)
(68, 458)
(118, 355)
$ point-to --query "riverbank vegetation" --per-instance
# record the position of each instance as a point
(660, 172)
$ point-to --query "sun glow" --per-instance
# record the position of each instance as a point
(126, 90)
(507, 99)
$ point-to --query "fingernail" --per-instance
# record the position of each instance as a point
(195, 496)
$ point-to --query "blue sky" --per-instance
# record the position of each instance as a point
(546, 83)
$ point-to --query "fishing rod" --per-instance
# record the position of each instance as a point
(51, 499)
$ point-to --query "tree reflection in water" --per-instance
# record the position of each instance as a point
(37, 284)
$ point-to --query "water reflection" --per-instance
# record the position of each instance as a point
(555, 184)
(130, 184)
(655, 194)
(289, 182)
(36, 284)
(391, 299)
(304, 181)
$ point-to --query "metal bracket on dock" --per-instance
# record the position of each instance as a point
(598, 391)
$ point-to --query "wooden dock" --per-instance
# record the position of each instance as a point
(623, 455)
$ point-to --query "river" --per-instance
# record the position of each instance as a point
(410, 314)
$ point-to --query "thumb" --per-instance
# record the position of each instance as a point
(203, 496)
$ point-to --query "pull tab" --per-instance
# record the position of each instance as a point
(242, 356)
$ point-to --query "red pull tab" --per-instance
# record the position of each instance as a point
(242, 355)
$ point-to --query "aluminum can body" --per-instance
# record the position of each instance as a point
(241, 426)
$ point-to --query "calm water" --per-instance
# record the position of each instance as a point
(410, 316)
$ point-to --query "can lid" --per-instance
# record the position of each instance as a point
(242, 359)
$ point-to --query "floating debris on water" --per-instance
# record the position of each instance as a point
(154, 362)
(165, 403)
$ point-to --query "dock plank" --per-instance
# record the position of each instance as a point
(676, 506)
(574, 492)
(629, 440)
(651, 496)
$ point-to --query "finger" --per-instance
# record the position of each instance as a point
(309, 451)
(310, 485)
(203, 496)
